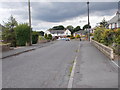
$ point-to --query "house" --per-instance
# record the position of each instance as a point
(81, 33)
(58, 33)
(115, 21)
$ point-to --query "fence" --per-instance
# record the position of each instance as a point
(106, 50)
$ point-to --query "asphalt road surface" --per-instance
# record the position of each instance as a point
(50, 67)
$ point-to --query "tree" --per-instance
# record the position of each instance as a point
(71, 28)
(49, 37)
(77, 29)
(22, 34)
(8, 34)
(60, 27)
(11, 23)
(104, 23)
(86, 26)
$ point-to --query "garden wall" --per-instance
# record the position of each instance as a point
(106, 50)
(5, 47)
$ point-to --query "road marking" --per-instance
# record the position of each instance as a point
(70, 83)
(115, 64)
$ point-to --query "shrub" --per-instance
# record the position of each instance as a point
(22, 34)
(34, 37)
(108, 37)
(41, 38)
(68, 36)
(45, 36)
(49, 37)
(77, 36)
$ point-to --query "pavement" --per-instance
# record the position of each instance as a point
(94, 69)
(50, 67)
(23, 49)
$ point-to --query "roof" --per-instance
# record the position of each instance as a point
(57, 31)
(81, 31)
(115, 18)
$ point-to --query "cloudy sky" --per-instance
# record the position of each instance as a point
(48, 14)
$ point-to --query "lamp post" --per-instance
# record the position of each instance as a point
(30, 43)
(88, 22)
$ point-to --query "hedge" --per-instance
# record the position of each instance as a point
(34, 37)
(22, 34)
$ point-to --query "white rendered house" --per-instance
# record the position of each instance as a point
(115, 21)
(58, 33)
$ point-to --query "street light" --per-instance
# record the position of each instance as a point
(30, 43)
(88, 22)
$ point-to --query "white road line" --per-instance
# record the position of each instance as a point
(115, 64)
(70, 83)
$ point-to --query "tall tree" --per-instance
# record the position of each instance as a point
(77, 29)
(104, 23)
(9, 32)
(60, 27)
(11, 23)
(86, 26)
(71, 28)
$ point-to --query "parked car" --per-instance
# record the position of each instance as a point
(67, 39)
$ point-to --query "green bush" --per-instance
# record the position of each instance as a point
(41, 38)
(108, 37)
(45, 36)
(49, 37)
(77, 36)
(22, 34)
(34, 37)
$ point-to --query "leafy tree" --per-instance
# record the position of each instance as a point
(71, 28)
(60, 27)
(77, 29)
(86, 26)
(22, 34)
(104, 23)
(8, 34)
(49, 37)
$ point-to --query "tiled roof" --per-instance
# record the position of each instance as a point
(81, 31)
(57, 31)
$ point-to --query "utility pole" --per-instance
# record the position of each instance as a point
(30, 43)
(88, 22)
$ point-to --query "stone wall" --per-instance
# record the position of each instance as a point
(5, 47)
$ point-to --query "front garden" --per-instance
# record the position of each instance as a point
(108, 37)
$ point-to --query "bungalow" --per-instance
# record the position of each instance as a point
(58, 33)
(81, 33)
(115, 21)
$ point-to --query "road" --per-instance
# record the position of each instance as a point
(50, 67)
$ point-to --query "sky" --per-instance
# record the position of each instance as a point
(45, 15)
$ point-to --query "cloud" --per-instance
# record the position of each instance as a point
(47, 14)
(57, 12)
